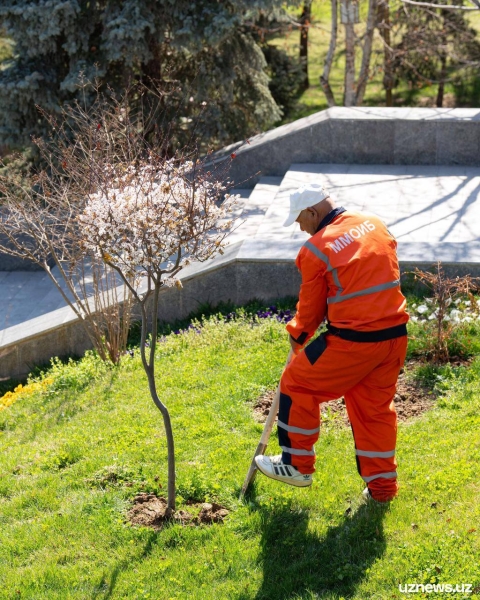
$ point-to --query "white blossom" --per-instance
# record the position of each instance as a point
(156, 221)
(422, 309)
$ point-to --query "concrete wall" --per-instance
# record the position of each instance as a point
(18, 360)
(395, 136)
(61, 334)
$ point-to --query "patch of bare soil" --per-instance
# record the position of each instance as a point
(149, 510)
(211, 513)
(262, 406)
(412, 399)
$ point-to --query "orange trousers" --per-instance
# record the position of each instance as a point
(365, 374)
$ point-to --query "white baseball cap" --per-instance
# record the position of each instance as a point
(305, 196)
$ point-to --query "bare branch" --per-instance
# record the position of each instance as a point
(442, 6)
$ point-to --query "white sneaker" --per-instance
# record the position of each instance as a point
(273, 467)
(368, 496)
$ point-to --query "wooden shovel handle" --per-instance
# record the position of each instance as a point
(267, 430)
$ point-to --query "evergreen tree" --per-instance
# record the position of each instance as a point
(206, 46)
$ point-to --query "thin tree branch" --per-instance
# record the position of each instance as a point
(440, 6)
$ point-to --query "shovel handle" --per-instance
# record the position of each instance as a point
(267, 430)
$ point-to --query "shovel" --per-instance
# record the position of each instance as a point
(267, 430)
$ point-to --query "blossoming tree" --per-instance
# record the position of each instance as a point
(155, 218)
(115, 194)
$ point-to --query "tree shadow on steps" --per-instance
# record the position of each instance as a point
(298, 562)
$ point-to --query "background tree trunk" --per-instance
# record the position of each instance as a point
(324, 78)
(349, 93)
(348, 20)
(443, 50)
(305, 20)
(367, 52)
(441, 85)
(383, 24)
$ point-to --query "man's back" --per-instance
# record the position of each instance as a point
(364, 276)
(356, 257)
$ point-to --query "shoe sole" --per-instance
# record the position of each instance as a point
(279, 478)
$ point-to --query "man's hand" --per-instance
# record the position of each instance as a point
(295, 347)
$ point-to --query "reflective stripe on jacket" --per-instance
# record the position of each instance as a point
(350, 275)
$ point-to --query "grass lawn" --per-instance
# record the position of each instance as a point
(75, 455)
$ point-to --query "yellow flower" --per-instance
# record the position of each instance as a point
(24, 390)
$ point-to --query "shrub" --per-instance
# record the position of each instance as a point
(442, 311)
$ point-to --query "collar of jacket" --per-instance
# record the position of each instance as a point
(329, 218)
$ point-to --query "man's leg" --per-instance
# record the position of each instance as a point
(374, 422)
(324, 371)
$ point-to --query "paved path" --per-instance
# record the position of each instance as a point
(433, 211)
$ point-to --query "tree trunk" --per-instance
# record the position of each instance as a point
(367, 52)
(441, 85)
(383, 23)
(149, 366)
(349, 93)
(349, 16)
(152, 70)
(324, 78)
(305, 20)
(170, 441)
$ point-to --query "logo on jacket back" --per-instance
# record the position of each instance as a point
(353, 234)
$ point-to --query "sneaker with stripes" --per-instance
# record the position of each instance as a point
(273, 467)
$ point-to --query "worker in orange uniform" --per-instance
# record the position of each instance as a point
(350, 276)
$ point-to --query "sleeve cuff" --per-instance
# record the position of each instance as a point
(301, 338)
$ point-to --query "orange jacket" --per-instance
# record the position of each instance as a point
(350, 275)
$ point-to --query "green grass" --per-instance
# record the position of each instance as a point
(63, 533)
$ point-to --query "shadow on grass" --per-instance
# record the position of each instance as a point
(108, 582)
(299, 563)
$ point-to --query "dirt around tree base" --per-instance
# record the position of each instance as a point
(149, 510)
(411, 400)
